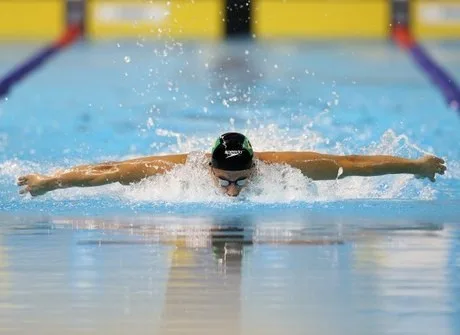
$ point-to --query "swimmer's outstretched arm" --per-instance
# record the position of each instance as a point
(329, 167)
(124, 172)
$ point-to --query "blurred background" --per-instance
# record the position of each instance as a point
(99, 19)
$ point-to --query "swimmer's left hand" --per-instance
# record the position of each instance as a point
(428, 166)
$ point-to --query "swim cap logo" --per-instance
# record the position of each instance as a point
(232, 153)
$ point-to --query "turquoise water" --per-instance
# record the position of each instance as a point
(170, 255)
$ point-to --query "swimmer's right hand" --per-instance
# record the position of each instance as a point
(35, 184)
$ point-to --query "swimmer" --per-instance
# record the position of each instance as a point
(231, 164)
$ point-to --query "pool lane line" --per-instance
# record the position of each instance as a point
(24, 69)
(432, 69)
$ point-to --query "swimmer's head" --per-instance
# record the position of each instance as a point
(232, 152)
(232, 162)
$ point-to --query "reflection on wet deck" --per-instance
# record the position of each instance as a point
(235, 275)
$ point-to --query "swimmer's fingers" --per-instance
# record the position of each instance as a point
(441, 169)
(429, 166)
(24, 190)
(440, 160)
(32, 191)
(25, 181)
(430, 177)
(22, 180)
(34, 184)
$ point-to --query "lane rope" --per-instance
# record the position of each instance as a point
(39, 58)
(432, 69)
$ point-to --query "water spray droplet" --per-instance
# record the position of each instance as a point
(150, 123)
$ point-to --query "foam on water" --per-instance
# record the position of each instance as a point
(276, 183)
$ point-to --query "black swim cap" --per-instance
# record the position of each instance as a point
(232, 152)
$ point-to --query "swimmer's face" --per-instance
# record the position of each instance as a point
(231, 182)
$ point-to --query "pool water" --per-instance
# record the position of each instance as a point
(171, 255)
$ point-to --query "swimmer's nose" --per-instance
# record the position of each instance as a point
(233, 191)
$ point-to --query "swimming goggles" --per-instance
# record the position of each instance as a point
(226, 183)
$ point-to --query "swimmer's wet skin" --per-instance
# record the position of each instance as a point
(232, 165)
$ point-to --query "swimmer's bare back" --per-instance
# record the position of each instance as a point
(314, 165)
